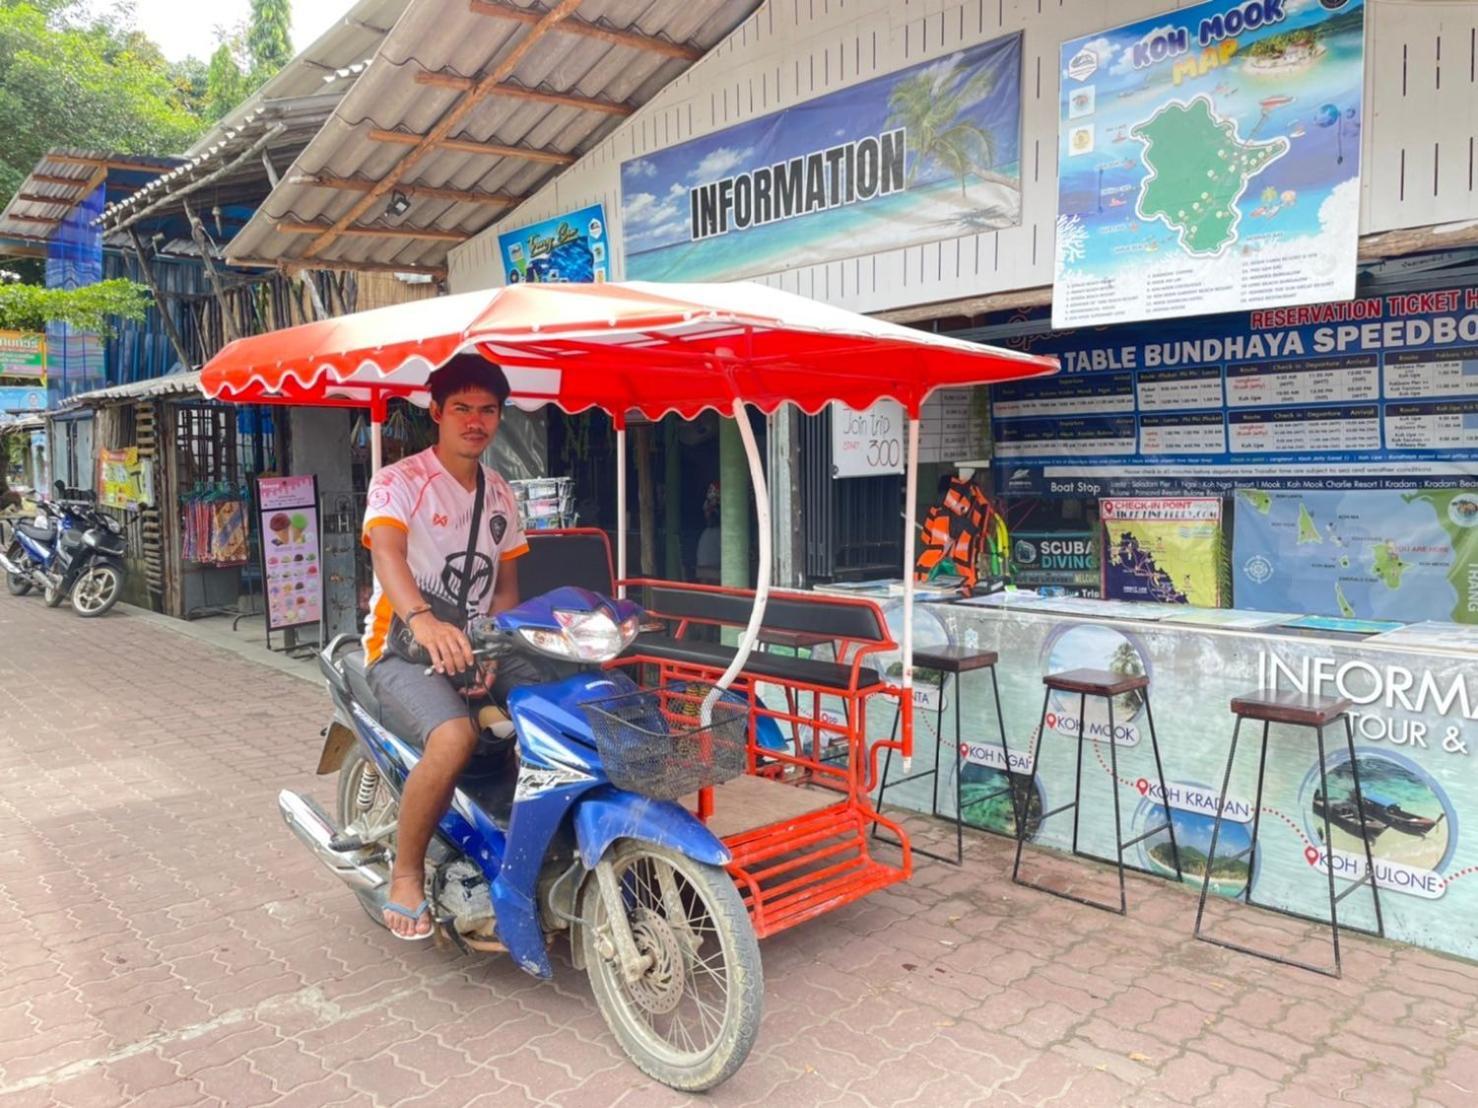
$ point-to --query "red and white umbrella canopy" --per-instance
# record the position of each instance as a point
(652, 348)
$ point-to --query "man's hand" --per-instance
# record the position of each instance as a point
(449, 647)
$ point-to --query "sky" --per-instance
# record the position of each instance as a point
(179, 29)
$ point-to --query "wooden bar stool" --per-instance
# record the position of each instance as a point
(1298, 710)
(1105, 684)
(955, 662)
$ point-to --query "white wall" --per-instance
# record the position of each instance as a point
(1420, 135)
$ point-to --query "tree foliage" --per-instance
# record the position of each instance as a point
(72, 78)
(225, 83)
(91, 308)
(269, 38)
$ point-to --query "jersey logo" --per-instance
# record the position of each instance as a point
(438, 520)
(498, 527)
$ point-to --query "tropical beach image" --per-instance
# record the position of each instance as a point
(1091, 646)
(1230, 869)
(1405, 815)
(990, 799)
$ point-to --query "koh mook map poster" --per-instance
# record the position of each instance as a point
(923, 154)
(1209, 161)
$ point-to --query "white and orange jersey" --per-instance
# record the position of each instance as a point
(421, 498)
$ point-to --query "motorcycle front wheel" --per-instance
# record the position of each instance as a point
(97, 591)
(691, 1018)
(53, 596)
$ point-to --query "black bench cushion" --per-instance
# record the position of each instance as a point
(830, 675)
(785, 611)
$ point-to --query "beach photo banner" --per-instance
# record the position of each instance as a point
(570, 247)
(1209, 161)
(925, 154)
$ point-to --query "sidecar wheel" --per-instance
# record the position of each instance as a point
(690, 1020)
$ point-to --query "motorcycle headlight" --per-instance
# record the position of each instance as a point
(113, 526)
(91, 538)
(584, 636)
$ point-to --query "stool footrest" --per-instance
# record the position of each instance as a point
(1147, 835)
(1055, 811)
(1237, 857)
(920, 776)
(1266, 956)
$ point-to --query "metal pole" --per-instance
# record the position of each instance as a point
(762, 586)
(621, 508)
(378, 406)
(910, 511)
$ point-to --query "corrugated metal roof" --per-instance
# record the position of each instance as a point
(457, 39)
(61, 179)
(171, 384)
(349, 41)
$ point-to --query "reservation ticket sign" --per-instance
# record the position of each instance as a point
(1209, 161)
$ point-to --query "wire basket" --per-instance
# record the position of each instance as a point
(652, 742)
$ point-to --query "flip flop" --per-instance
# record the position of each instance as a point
(412, 914)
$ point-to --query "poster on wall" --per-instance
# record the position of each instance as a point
(1209, 161)
(23, 354)
(125, 480)
(572, 247)
(15, 399)
(1379, 392)
(1370, 554)
(1166, 550)
(287, 512)
(1059, 558)
(928, 153)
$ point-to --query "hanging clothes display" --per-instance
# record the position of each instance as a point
(214, 527)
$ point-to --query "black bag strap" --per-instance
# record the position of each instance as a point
(467, 561)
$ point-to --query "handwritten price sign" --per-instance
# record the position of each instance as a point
(865, 444)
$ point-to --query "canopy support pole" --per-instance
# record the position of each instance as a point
(762, 586)
(621, 508)
(910, 512)
(378, 405)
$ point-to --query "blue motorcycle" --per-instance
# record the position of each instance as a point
(72, 550)
(585, 838)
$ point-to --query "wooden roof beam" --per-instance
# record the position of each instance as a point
(35, 219)
(102, 163)
(429, 234)
(448, 123)
(470, 146)
(52, 179)
(633, 39)
(33, 198)
(436, 271)
(456, 196)
(442, 79)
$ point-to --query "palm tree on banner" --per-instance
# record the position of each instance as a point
(930, 106)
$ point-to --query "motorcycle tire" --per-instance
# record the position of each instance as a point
(383, 805)
(15, 584)
(682, 963)
(88, 601)
(53, 596)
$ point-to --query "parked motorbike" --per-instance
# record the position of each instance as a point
(584, 839)
(71, 549)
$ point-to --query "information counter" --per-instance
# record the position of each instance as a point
(1415, 691)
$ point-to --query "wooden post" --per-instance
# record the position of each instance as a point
(197, 232)
(164, 314)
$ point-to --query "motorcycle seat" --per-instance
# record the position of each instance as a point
(353, 664)
(31, 531)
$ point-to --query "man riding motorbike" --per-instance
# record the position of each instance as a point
(443, 532)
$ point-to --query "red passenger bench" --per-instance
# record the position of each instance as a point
(797, 823)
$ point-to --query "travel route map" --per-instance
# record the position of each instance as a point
(1198, 170)
(1407, 556)
(1166, 550)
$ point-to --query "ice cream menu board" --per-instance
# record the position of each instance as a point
(291, 573)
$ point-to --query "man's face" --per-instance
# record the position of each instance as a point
(468, 420)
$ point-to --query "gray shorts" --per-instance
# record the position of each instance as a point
(414, 703)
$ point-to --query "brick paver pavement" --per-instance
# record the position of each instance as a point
(166, 942)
